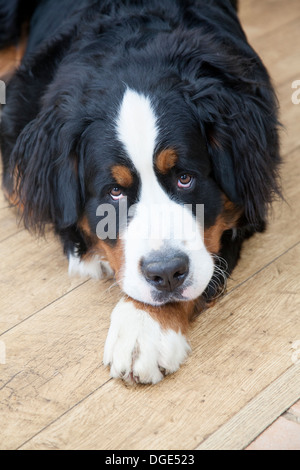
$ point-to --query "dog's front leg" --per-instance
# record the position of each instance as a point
(145, 343)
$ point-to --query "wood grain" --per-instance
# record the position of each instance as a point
(55, 392)
(238, 432)
(33, 274)
(239, 348)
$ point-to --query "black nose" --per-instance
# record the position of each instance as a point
(166, 273)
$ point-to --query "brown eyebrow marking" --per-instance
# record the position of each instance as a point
(166, 160)
(122, 175)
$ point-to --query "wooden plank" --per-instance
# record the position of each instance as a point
(33, 274)
(55, 258)
(3, 202)
(273, 50)
(9, 224)
(53, 361)
(257, 415)
(239, 347)
(262, 18)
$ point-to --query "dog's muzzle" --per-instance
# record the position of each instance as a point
(165, 272)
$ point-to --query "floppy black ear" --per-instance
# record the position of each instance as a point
(241, 128)
(44, 171)
(237, 110)
(245, 150)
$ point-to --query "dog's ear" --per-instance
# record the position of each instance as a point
(237, 110)
(45, 175)
(241, 129)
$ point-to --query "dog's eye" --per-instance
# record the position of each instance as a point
(116, 193)
(185, 181)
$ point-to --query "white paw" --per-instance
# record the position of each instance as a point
(138, 349)
(94, 267)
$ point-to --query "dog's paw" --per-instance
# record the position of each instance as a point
(138, 349)
(95, 267)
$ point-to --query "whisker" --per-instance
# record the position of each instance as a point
(218, 283)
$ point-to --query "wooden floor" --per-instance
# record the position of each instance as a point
(243, 373)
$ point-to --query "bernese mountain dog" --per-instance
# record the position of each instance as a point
(145, 132)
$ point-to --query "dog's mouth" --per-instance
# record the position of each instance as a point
(162, 298)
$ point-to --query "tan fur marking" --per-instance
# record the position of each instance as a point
(113, 254)
(175, 316)
(166, 160)
(225, 221)
(122, 175)
(14, 200)
(83, 224)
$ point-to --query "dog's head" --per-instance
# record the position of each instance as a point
(153, 171)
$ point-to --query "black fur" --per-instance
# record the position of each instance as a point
(235, 4)
(211, 91)
(13, 14)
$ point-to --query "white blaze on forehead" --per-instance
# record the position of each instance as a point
(137, 130)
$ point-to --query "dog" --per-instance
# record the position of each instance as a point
(156, 109)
